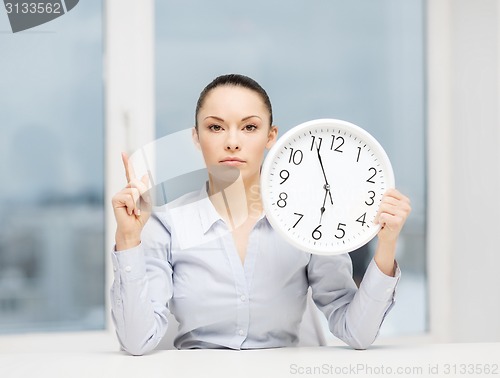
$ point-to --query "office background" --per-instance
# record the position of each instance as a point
(422, 77)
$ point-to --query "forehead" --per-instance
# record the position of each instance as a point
(228, 97)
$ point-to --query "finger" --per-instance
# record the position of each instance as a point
(393, 205)
(134, 193)
(393, 199)
(130, 204)
(141, 194)
(136, 196)
(393, 223)
(381, 209)
(124, 200)
(139, 185)
(146, 193)
(125, 164)
(129, 169)
(386, 208)
(399, 209)
(396, 194)
(392, 192)
(118, 198)
(390, 201)
(393, 216)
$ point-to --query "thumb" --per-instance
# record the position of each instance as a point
(146, 196)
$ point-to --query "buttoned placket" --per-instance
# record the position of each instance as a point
(242, 274)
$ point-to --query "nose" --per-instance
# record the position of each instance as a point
(232, 141)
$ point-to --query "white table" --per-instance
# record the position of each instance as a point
(95, 354)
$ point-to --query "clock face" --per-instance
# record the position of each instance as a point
(322, 184)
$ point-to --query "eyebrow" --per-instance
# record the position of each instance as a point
(243, 119)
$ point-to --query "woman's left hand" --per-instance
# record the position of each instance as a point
(392, 214)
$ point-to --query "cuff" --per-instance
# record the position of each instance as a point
(129, 265)
(378, 285)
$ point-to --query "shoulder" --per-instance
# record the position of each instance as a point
(166, 220)
(164, 212)
(185, 199)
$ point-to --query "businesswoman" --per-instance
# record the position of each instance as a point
(212, 259)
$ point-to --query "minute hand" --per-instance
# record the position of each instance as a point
(327, 186)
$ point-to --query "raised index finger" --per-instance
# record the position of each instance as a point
(129, 169)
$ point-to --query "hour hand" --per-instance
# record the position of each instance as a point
(322, 210)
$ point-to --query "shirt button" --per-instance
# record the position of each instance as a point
(241, 332)
(243, 298)
(128, 269)
(389, 290)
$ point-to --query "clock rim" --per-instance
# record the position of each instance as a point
(264, 181)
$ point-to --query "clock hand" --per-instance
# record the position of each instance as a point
(323, 207)
(327, 186)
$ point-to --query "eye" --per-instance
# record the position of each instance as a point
(215, 128)
(250, 127)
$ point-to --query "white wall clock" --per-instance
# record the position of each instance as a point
(322, 184)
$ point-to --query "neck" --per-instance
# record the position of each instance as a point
(238, 202)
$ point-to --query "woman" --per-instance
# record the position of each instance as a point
(228, 278)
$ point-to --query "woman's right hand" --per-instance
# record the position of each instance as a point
(132, 208)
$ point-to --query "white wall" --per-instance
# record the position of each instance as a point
(464, 169)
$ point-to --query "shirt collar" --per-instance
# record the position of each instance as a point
(208, 215)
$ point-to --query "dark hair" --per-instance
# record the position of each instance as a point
(235, 80)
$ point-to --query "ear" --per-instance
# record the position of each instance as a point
(272, 137)
(196, 138)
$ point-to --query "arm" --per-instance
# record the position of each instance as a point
(141, 290)
(355, 316)
(142, 274)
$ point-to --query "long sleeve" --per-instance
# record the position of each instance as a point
(141, 290)
(354, 315)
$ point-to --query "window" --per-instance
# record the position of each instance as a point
(51, 161)
(361, 61)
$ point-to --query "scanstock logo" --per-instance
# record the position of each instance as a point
(25, 14)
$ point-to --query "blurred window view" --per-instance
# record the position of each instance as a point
(360, 60)
(51, 161)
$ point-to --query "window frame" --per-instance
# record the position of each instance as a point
(129, 100)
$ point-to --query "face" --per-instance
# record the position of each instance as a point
(234, 131)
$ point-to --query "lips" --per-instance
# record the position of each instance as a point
(232, 160)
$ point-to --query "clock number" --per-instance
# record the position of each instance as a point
(337, 149)
(372, 198)
(313, 144)
(284, 174)
(361, 219)
(359, 153)
(316, 234)
(300, 217)
(372, 176)
(342, 231)
(282, 201)
(295, 156)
